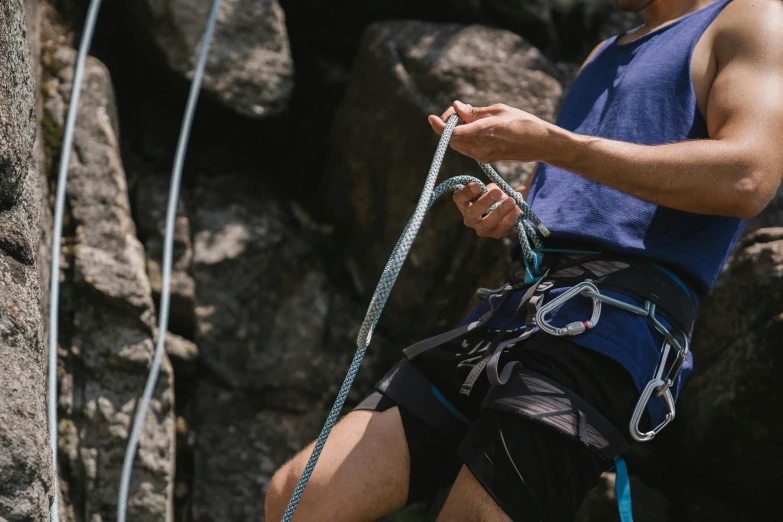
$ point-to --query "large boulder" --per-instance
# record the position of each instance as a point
(249, 69)
(25, 459)
(275, 339)
(730, 431)
(383, 147)
(107, 320)
(264, 306)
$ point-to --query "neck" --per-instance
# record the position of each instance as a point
(660, 12)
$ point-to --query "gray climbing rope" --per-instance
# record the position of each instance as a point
(429, 195)
(168, 256)
(57, 234)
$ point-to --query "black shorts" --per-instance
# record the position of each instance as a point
(532, 471)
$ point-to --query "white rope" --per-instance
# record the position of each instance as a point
(57, 234)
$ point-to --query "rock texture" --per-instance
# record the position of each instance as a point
(151, 202)
(249, 69)
(729, 431)
(265, 309)
(25, 459)
(108, 322)
(275, 338)
(383, 146)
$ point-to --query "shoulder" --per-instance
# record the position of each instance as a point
(749, 26)
(592, 54)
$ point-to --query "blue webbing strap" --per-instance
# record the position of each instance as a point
(622, 488)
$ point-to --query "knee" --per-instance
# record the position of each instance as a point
(279, 491)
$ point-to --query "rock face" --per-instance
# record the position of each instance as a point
(274, 336)
(264, 307)
(151, 202)
(25, 459)
(17, 105)
(383, 146)
(249, 69)
(107, 323)
(729, 432)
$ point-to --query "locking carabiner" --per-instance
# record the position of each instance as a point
(575, 328)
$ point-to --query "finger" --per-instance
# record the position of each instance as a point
(436, 124)
(469, 114)
(448, 114)
(477, 210)
(469, 131)
(463, 196)
(506, 226)
(487, 225)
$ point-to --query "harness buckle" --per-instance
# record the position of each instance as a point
(660, 388)
(579, 327)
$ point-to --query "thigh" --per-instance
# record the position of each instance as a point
(362, 473)
(468, 501)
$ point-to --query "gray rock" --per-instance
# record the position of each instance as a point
(108, 323)
(25, 459)
(265, 309)
(151, 202)
(383, 147)
(17, 104)
(730, 433)
(249, 69)
(238, 449)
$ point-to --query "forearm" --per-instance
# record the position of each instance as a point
(701, 176)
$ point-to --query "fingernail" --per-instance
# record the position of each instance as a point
(475, 189)
(459, 104)
(495, 194)
(508, 204)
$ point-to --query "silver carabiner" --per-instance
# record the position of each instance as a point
(656, 386)
(575, 328)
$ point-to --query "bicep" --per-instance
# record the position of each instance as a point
(745, 104)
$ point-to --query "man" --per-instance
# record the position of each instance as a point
(671, 137)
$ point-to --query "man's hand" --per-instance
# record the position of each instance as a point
(496, 133)
(497, 224)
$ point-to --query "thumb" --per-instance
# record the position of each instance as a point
(468, 113)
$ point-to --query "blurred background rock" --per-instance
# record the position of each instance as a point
(308, 152)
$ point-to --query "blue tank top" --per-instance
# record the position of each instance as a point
(639, 92)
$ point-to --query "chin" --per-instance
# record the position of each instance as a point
(633, 6)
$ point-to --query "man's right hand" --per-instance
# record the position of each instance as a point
(497, 224)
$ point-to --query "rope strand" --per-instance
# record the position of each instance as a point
(168, 256)
(57, 234)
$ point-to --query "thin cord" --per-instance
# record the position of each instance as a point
(57, 234)
(168, 256)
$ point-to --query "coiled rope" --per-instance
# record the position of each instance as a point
(57, 234)
(168, 258)
(429, 195)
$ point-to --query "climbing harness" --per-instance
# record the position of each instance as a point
(57, 233)
(168, 252)
(640, 280)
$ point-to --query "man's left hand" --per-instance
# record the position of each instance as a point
(496, 133)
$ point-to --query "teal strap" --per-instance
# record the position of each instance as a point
(622, 488)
